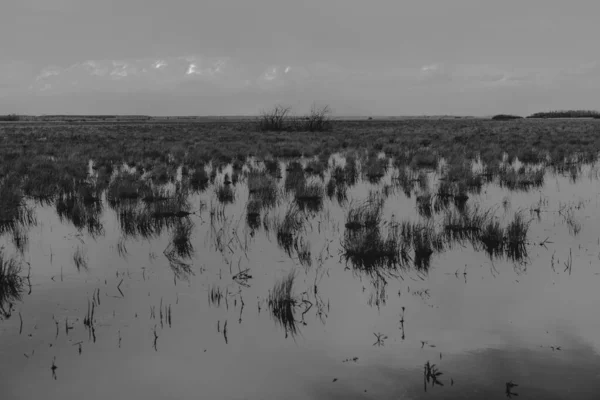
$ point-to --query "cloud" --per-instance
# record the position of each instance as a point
(434, 74)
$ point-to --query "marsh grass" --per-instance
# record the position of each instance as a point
(516, 237)
(262, 188)
(375, 169)
(273, 167)
(126, 188)
(11, 283)
(171, 208)
(405, 179)
(425, 205)
(309, 196)
(288, 228)
(14, 210)
(465, 225)
(424, 159)
(492, 238)
(180, 243)
(199, 180)
(84, 212)
(294, 178)
(523, 179)
(135, 221)
(370, 251)
(365, 215)
(225, 194)
(316, 167)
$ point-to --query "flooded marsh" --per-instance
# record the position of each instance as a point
(403, 259)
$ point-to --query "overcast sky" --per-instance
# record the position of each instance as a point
(231, 57)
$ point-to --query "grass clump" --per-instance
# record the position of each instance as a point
(516, 237)
(199, 180)
(375, 169)
(262, 187)
(492, 238)
(522, 179)
(288, 228)
(14, 210)
(465, 225)
(424, 159)
(126, 187)
(370, 251)
(365, 215)
(425, 205)
(225, 194)
(309, 196)
(181, 243)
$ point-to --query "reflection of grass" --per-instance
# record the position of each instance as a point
(11, 284)
(80, 259)
(516, 237)
(309, 196)
(263, 188)
(282, 303)
(225, 194)
(365, 215)
(288, 228)
(215, 295)
(181, 244)
(370, 251)
(492, 237)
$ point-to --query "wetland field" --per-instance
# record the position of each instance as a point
(405, 259)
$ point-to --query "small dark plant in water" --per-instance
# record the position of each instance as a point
(430, 375)
(215, 295)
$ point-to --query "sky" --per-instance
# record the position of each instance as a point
(240, 57)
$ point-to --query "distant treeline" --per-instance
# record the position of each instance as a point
(9, 117)
(567, 114)
(505, 117)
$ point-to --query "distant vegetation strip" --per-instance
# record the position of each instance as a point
(567, 114)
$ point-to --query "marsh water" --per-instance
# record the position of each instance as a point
(105, 313)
